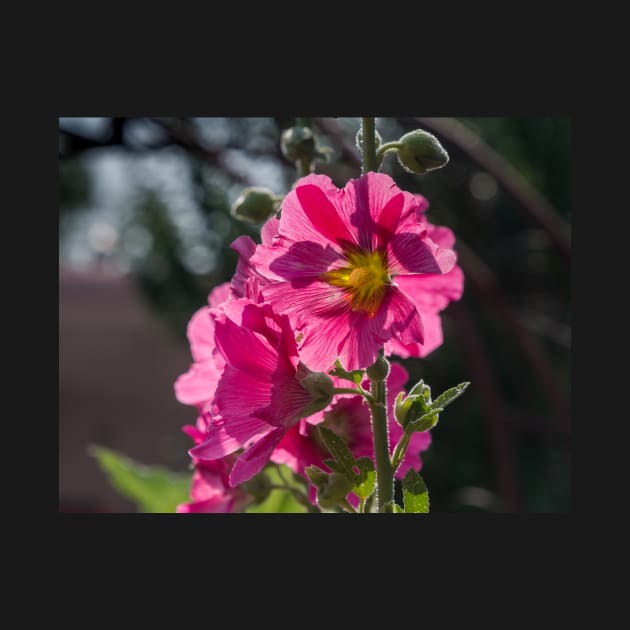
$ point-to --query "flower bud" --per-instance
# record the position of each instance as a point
(320, 387)
(255, 205)
(379, 370)
(298, 143)
(408, 409)
(421, 151)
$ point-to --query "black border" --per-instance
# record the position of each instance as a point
(437, 540)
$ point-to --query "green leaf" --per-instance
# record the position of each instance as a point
(447, 397)
(152, 488)
(341, 452)
(356, 376)
(334, 465)
(425, 422)
(367, 478)
(415, 493)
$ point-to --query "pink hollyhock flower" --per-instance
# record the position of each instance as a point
(264, 388)
(334, 264)
(210, 490)
(349, 418)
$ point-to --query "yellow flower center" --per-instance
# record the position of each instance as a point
(365, 279)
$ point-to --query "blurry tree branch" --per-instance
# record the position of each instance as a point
(536, 205)
(485, 282)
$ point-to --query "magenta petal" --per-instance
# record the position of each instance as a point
(198, 385)
(409, 253)
(322, 214)
(309, 214)
(433, 292)
(224, 438)
(246, 350)
(269, 231)
(220, 294)
(253, 460)
(219, 504)
(303, 261)
(200, 332)
(403, 320)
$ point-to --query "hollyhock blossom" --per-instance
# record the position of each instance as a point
(335, 262)
(263, 390)
(210, 490)
(349, 418)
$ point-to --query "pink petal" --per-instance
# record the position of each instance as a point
(443, 236)
(322, 214)
(368, 204)
(269, 231)
(245, 247)
(200, 332)
(253, 460)
(218, 504)
(220, 294)
(403, 321)
(194, 433)
(301, 261)
(433, 339)
(288, 400)
(320, 312)
(198, 385)
(433, 292)
(226, 437)
(246, 350)
(409, 252)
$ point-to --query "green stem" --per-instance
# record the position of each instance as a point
(346, 390)
(303, 166)
(380, 431)
(384, 148)
(368, 143)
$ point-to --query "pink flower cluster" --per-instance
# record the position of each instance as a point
(341, 274)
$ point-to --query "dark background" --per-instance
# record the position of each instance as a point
(144, 230)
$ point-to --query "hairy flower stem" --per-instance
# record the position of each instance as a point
(368, 143)
(303, 166)
(380, 433)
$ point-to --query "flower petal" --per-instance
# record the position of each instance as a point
(198, 385)
(433, 292)
(200, 333)
(253, 460)
(224, 437)
(410, 252)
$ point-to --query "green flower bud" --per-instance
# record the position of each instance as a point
(320, 387)
(421, 151)
(402, 405)
(298, 143)
(255, 205)
(379, 370)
